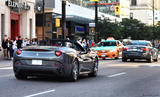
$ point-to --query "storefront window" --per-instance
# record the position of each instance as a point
(134, 2)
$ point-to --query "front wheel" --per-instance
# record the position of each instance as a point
(95, 69)
(124, 60)
(20, 76)
(156, 60)
(117, 57)
(150, 60)
(74, 72)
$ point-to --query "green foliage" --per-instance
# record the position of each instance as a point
(127, 28)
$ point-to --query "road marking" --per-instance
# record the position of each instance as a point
(41, 93)
(118, 74)
(155, 65)
(7, 75)
(5, 68)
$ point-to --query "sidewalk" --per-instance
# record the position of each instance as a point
(5, 63)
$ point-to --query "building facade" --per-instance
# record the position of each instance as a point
(17, 18)
(77, 19)
(143, 11)
(108, 7)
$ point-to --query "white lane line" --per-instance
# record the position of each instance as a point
(5, 68)
(118, 74)
(41, 93)
(156, 65)
(7, 75)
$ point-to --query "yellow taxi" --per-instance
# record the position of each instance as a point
(109, 48)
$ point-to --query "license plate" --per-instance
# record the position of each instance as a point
(103, 55)
(36, 62)
(132, 50)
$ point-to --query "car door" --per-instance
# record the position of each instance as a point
(83, 57)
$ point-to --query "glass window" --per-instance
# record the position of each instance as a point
(107, 44)
(134, 2)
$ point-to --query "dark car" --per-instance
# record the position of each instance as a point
(140, 49)
(63, 58)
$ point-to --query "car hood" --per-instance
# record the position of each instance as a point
(104, 48)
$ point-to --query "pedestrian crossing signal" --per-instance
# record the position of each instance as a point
(117, 10)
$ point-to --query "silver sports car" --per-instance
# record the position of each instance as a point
(64, 58)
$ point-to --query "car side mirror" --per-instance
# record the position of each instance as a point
(83, 52)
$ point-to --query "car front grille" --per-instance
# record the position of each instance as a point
(102, 51)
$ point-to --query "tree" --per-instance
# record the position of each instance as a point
(125, 29)
(108, 29)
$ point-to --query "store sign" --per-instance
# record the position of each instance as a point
(18, 5)
(92, 25)
(79, 29)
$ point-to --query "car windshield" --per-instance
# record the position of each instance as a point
(138, 43)
(110, 43)
(57, 43)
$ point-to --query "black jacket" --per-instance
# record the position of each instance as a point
(4, 44)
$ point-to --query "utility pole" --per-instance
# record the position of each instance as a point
(96, 21)
(153, 24)
(63, 18)
(43, 21)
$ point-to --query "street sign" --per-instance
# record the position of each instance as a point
(94, 0)
(117, 10)
(91, 24)
(57, 22)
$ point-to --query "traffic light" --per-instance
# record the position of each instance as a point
(57, 22)
(117, 10)
(92, 30)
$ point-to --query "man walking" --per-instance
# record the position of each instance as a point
(5, 46)
(19, 42)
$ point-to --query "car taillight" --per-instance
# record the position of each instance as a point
(125, 48)
(18, 52)
(144, 49)
(58, 53)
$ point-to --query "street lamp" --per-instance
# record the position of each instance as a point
(63, 18)
(153, 24)
(96, 20)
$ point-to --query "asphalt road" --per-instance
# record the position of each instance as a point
(115, 79)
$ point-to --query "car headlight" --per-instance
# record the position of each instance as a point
(92, 49)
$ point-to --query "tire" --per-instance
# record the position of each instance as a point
(124, 60)
(95, 69)
(150, 60)
(117, 56)
(132, 60)
(156, 60)
(74, 72)
(20, 76)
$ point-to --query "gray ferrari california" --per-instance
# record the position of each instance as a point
(63, 58)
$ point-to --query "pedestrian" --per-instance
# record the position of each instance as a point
(4, 46)
(19, 42)
(34, 42)
(79, 41)
(25, 42)
(11, 50)
(15, 44)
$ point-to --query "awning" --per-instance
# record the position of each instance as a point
(77, 19)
